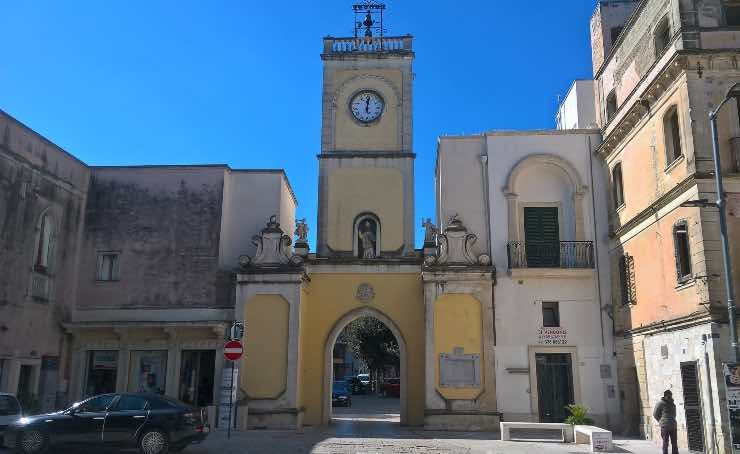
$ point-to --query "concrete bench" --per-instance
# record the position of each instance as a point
(599, 439)
(566, 429)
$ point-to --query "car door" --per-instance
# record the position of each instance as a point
(82, 424)
(125, 418)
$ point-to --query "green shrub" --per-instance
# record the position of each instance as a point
(578, 415)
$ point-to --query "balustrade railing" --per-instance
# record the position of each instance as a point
(559, 254)
(372, 44)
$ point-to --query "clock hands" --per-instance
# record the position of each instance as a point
(367, 104)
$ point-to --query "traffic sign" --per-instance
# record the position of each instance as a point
(233, 350)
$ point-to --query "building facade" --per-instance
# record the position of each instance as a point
(671, 62)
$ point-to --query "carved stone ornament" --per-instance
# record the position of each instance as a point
(273, 248)
(365, 292)
(454, 247)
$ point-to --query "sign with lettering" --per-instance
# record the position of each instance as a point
(601, 442)
(732, 387)
(553, 336)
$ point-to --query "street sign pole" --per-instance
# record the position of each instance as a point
(231, 401)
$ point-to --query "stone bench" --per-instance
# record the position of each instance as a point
(599, 439)
(566, 429)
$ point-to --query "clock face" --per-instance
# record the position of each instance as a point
(366, 106)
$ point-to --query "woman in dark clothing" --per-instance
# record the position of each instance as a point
(665, 414)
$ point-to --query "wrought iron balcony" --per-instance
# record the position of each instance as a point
(560, 254)
(397, 44)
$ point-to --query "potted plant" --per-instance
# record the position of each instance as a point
(578, 415)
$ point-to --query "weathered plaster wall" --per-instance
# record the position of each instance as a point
(608, 15)
(36, 177)
(165, 221)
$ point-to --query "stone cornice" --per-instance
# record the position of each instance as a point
(366, 154)
(653, 208)
(696, 318)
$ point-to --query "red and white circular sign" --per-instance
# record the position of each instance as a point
(233, 350)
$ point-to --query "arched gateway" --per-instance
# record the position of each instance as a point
(437, 302)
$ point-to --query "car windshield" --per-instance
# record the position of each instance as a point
(339, 387)
(9, 406)
(364, 377)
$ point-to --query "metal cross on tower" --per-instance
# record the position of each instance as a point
(369, 19)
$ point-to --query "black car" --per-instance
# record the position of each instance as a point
(153, 423)
(340, 394)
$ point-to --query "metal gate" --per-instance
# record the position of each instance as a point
(692, 406)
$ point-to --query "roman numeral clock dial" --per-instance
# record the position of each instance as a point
(366, 106)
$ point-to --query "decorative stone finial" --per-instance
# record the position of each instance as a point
(273, 248)
(454, 246)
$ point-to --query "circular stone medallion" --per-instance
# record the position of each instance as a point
(365, 292)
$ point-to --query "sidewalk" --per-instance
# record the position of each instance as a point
(373, 439)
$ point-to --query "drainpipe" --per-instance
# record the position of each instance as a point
(598, 270)
(488, 221)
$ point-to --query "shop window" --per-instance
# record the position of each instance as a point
(732, 15)
(44, 244)
(148, 371)
(611, 105)
(102, 368)
(672, 135)
(550, 314)
(108, 266)
(682, 251)
(617, 186)
(627, 279)
(196, 377)
(662, 37)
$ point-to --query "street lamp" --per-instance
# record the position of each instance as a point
(733, 92)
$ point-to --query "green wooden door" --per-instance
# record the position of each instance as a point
(542, 237)
(554, 385)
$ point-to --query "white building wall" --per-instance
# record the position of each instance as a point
(518, 295)
(578, 108)
(250, 198)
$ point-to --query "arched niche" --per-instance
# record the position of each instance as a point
(557, 168)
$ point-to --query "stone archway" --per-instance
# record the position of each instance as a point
(329, 346)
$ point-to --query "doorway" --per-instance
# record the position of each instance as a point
(365, 373)
(554, 385)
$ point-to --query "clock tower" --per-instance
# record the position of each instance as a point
(366, 165)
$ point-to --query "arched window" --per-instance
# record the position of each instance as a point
(44, 243)
(662, 36)
(611, 105)
(617, 187)
(682, 251)
(672, 135)
(367, 237)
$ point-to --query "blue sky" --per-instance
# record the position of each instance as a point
(239, 82)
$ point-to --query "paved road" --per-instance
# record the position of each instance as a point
(371, 426)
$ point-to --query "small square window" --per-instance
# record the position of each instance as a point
(550, 314)
(108, 264)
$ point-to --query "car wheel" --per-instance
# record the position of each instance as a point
(153, 441)
(32, 441)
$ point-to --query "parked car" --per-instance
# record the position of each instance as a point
(340, 394)
(391, 387)
(10, 411)
(153, 423)
(355, 385)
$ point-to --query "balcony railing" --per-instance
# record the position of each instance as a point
(560, 254)
(373, 44)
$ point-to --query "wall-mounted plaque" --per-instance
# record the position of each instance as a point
(459, 370)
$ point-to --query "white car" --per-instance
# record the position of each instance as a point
(10, 411)
(364, 379)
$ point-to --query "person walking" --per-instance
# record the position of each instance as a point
(665, 414)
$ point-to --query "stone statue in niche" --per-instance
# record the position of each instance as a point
(367, 238)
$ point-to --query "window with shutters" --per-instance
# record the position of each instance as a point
(617, 187)
(542, 236)
(682, 251)
(672, 136)
(627, 279)
(108, 264)
(44, 244)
